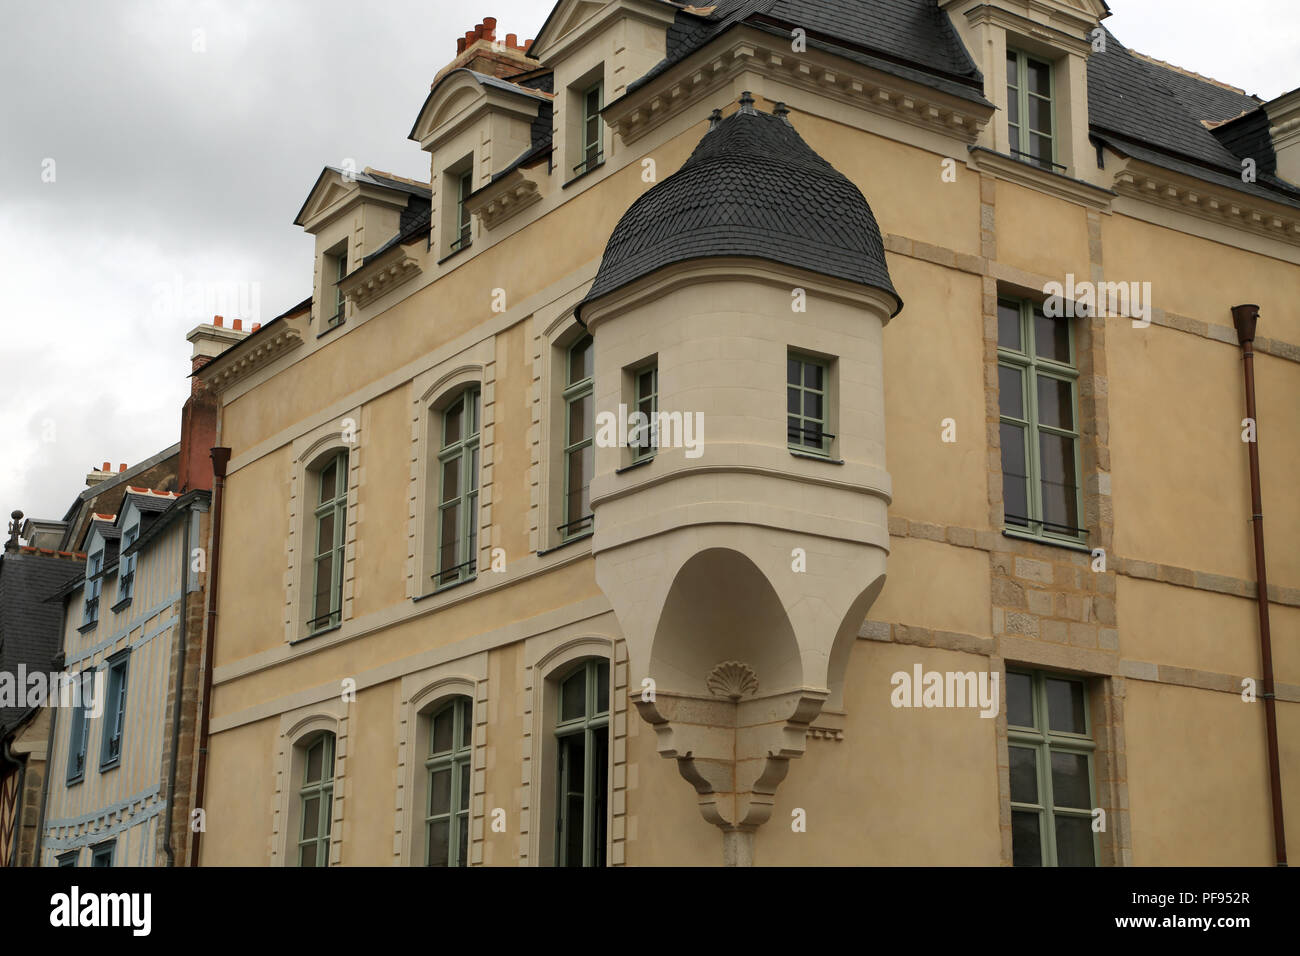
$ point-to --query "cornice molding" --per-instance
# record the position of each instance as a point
(382, 276)
(221, 373)
(499, 201)
(1171, 190)
(1054, 184)
(746, 49)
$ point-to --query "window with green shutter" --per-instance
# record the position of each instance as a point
(582, 752)
(1039, 423)
(449, 773)
(1050, 747)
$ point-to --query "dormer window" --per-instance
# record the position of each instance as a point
(1031, 119)
(336, 264)
(93, 584)
(464, 186)
(126, 573)
(593, 153)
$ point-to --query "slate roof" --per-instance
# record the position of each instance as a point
(751, 188)
(174, 509)
(31, 629)
(1153, 113)
(909, 38)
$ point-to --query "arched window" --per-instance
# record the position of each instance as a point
(448, 771)
(329, 536)
(582, 768)
(316, 800)
(458, 461)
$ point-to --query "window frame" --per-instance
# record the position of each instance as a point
(464, 224)
(126, 567)
(593, 721)
(468, 450)
(1022, 95)
(573, 392)
(114, 716)
(646, 451)
(80, 722)
(592, 150)
(805, 361)
(1030, 366)
(100, 850)
(339, 459)
(459, 760)
(339, 259)
(320, 790)
(1045, 741)
(94, 587)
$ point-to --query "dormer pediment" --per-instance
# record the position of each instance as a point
(338, 191)
(1050, 20)
(571, 21)
(462, 96)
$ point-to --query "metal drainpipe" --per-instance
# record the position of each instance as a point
(180, 687)
(220, 457)
(1244, 317)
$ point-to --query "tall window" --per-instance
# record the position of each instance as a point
(316, 802)
(1038, 384)
(582, 733)
(340, 272)
(458, 491)
(1030, 114)
(110, 751)
(579, 432)
(331, 522)
(93, 584)
(807, 386)
(464, 186)
(448, 768)
(102, 855)
(644, 439)
(126, 569)
(1050, 747)
(79, 727)
(592, 130)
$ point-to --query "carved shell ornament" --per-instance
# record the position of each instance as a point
(732, 679)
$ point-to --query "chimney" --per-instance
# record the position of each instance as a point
(477, 50)
(96, 475)
(199, 413)
(121, 467)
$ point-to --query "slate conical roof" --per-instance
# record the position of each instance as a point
(752, 188)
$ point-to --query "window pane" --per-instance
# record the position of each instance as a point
(451, 424)
(1040, 115)
(646, 383)
(443, 727)
(580, 361)
(1024, 775)
(602, 688)
(438, 843)
(1040, 147)
(573, 696)
(1011, 399)
(793, 372)
(581, 465)
(1013, 106)
(451, 479)
(466, 724)
(1070, 781)
(1015, 485)
(327, 482)
(1055, 402)
(580, 415)
(599, 776)
(1009, 326)
(463, 828)
(315, 756)
(1052, 337)
(813, 376)
(472, 482)
(1074, 845)
(440, 792)
(813, 437)
(1059, 498)
(1020, 700)
(1026, 844)
(325, 533)
(1013, 69)
(342, 471)
(792, 402)
(1065, 706)
(473, 408)
(812, 405)
(1040, 77)
(310, 818)
(449, 556)
(572, 769)
(307, 855)
(463, 801)
(324, 586)
(1013, 134)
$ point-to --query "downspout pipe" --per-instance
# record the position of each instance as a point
(220, 458)
(180, 687)
(1245, 318)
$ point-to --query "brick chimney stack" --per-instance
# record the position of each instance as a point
(482, 51)
(199, 414)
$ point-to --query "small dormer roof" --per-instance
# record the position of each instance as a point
(334, 183)
(444, 90)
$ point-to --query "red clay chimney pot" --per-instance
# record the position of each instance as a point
(239, 325)
(256, 326)
(512, 40)
(218, 321)
(108, 466)
(460, 45)
(122, 467)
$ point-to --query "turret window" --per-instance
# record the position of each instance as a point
(807, 404)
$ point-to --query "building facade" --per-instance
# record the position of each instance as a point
(940, 548)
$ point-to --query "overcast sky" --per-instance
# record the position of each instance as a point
(153, 155)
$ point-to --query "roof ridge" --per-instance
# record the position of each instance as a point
(1174, 68)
